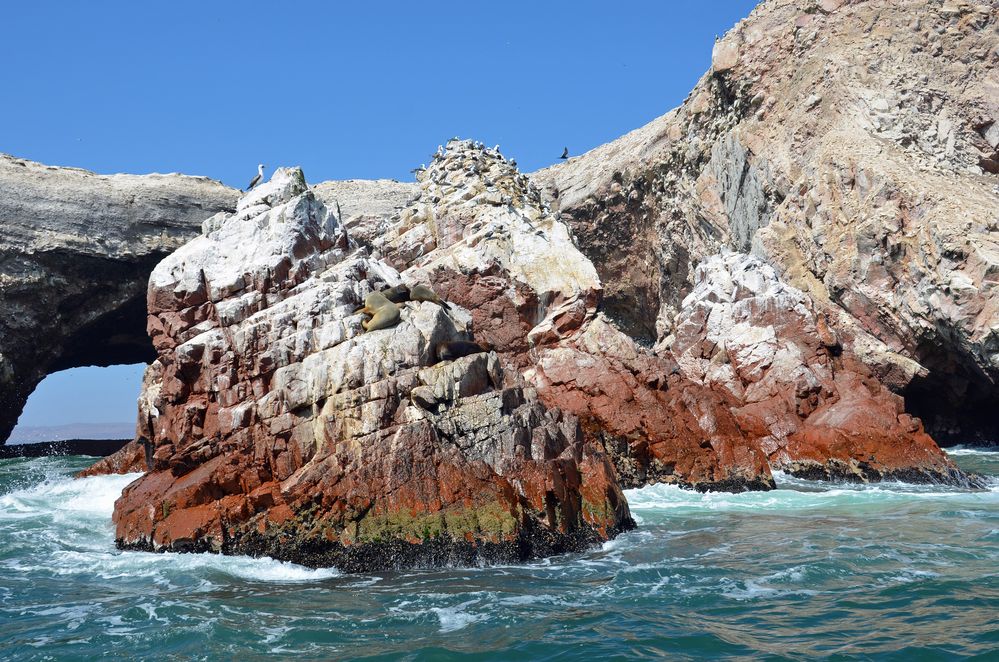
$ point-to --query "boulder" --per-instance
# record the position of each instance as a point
(279, 427)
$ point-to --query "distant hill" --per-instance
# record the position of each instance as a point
(30, 434)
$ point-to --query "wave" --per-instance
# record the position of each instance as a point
(62, 526)
(795, 494)
(984, 451)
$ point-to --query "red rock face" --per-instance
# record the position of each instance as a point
(130, 458)
(279, 428)
(814, 408)
(657, 425)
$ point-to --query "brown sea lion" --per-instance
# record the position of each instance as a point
(455, 349)
(383, 318)
(397, 293)
(423, 293)
(383, 312)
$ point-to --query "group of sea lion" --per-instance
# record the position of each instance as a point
(384, 307)
(402, 293)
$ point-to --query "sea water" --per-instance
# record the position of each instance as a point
(808, 571)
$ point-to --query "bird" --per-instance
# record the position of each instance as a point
(565, 153)
(259, 178)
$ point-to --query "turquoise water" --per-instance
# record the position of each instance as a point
(809, 571)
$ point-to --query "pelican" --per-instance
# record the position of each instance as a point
(259, 178)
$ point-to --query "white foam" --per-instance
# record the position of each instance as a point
(456, 618)
(91, 496)
(795, 494)
(986, 451)
(82, 539)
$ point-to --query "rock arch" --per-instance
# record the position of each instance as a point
(76, 250)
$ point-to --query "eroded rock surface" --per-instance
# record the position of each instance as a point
(763, 271)
(851, 145)
(76, 251)
(482, 234)
(815, 408)
(278, 427)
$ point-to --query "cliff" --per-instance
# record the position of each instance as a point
(785, 273)
(853, 146)
(277, 425)
(75, 256)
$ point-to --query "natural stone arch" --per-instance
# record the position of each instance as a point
(76, 250)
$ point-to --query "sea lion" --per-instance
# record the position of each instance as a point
(397, 293)
(423, 293)
(383, 318)
(383, 312)
(455, 349)
(372, 302)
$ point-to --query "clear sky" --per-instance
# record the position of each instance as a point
(344, 89)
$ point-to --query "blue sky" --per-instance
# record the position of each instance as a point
(346, 90)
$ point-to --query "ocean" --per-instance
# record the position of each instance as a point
(808, 571)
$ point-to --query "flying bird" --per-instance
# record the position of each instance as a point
(565, 153)
(259, 178)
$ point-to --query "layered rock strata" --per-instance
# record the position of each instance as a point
(278, 427)
(75, 256)
(275, 425)
(481, 231)
(853, 146)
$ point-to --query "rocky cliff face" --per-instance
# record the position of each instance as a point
(277, 426)
(749, 283)
(853, 146)
(75, 255)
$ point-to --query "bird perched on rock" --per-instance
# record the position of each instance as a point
(259, 178)
(565, 153)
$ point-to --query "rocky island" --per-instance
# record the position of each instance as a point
(790, 272)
